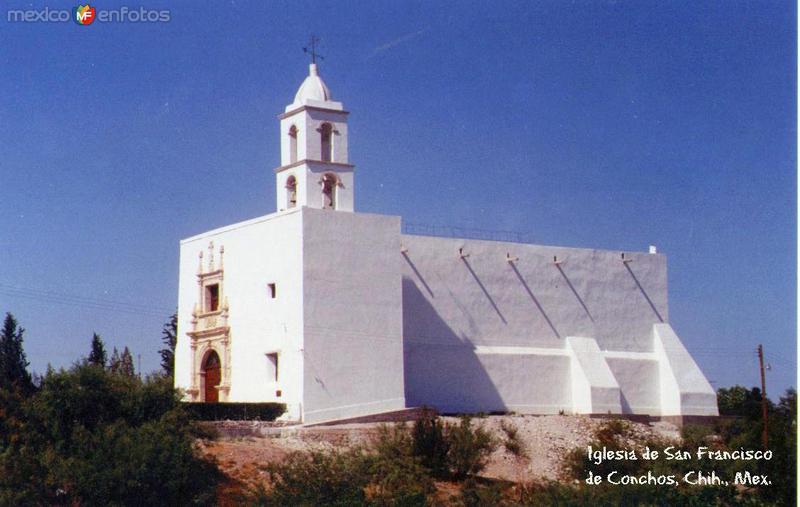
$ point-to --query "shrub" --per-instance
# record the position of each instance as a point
(469, 448)
(430, 444)
(694, 435)
(474, 494)
(611, 431)
(398, 476)
(234, 411)
(386, 474)
(90, 437)
(512, 442)
(319, 479)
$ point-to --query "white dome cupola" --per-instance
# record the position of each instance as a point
(314, 92)
(312, 89)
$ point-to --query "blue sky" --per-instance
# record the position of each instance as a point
(610, 125)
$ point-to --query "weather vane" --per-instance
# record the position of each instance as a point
(313, 50)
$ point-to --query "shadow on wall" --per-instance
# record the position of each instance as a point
(574, 292)
(441, 368)
(486, 292)
(419, 275)
(644, 293)
(535, 301)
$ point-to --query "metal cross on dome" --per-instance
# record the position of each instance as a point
(313, 50)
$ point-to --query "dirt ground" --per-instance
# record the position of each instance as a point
(546, 440)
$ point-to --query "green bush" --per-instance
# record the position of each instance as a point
(386, 474)
(694, 435)
(430, 444)
(89, 437)
(469, 448)
(475, 494)
(397, 475)
(611, 431)
(230, 411)
(318, 479)
(512, 441)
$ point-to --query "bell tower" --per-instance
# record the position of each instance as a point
(314, 170)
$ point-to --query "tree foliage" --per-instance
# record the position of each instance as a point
(318, 479)
(740, 401)
(169, 337)
(126, 363)
(430, 444)
(92, 437)
(469, 448)
(398, 468)
(122, 364)
(13, 363)
(97, 356)
(115, 362)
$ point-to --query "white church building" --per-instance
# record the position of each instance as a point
(339, 314)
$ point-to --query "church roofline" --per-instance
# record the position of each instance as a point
(307, 161)
(239, 225)
(311, 108)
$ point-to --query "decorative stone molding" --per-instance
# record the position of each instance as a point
(209, 326)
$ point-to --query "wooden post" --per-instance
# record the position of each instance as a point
(764, 416)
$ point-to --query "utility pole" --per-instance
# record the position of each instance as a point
(764, 436)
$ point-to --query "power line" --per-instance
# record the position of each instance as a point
(82, 301)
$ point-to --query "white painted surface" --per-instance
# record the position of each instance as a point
(461, 296)
(313, 89)
(532, 302)
(638, 381)
(684, 389)
(353, 314)
(361, 327)
(257, 252)
(594, 388)
(307, 165)
(309, 140)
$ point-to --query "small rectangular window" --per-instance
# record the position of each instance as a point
(272, 366)
(271, 289)
(212, 298)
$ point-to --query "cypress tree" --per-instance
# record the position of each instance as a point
(115, 362)
(126, 363)
(169, 336)
(13, 364)
(97, 356)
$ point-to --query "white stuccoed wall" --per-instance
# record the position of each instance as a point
(353, 315)
(482, 333)
(369, 320)
(595, 390)
(257, 252)
(684, 388)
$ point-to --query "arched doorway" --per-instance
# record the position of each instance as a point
(212, 373)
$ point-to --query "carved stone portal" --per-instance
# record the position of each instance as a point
(210, 333)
